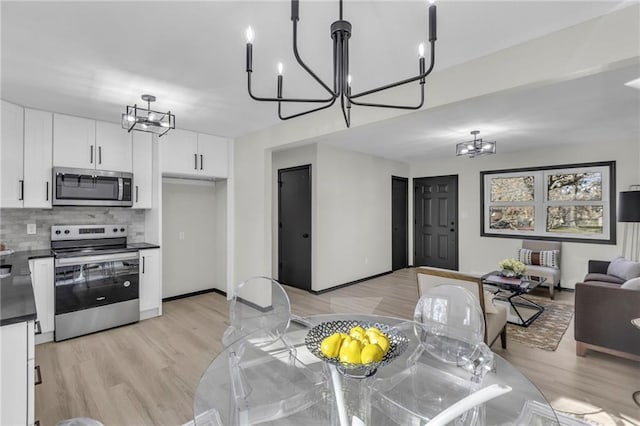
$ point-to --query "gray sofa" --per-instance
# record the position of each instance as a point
(604, 312)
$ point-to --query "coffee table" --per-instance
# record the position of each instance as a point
(515, 289)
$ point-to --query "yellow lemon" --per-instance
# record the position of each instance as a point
(357, 332)
(351, 352)
(371, 353)
(376, 336)
(330, 346)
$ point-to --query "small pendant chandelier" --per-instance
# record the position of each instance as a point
(340, 88)
(147, 120)
(476, 147)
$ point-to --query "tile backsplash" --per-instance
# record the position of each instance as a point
(13, 223)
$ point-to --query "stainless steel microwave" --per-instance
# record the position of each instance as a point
(88, 187)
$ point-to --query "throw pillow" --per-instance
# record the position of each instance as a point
(623, 268)
(548, 258)
(489, 307)
(633, 284)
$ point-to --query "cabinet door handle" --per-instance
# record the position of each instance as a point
(21, 190)
(47, 193)
(99, 155)
(195, 161)
(38, 380)
(136, 193)
(201, 161)
(143, 264)
(38, 328)
(91, 155)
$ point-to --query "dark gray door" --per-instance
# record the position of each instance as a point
(436, 222)
(399, 219)
(294, 226)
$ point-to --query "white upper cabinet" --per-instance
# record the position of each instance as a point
(179, 152)
(89, 144)
(74, 140)
(113, 147)
(212, 154)
(142, 170)
(38, 154)
(195, 155)
(11, 156)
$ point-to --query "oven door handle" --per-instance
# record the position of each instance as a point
(82, 260)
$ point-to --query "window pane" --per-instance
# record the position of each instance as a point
(575, 219)
(516, 218)
(575, 187)
(518, 188)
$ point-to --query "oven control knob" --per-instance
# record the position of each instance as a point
(126, 283)
(121, 229)
(66, 231)
(58, 232)
(115, 229)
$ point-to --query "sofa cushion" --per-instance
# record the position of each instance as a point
(548, 258)
(623, 268)
(633, 284)
(603, 278)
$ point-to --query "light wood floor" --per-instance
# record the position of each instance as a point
(146, 373)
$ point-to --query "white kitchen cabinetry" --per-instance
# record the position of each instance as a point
(42, 277)
(142, 170)
(179, 152)
(113, 147)
(194, 155)
(38, 153)
(74, 140)
(11, 152)
(89, 144)
(212, 153)
(17, 379)
(26, 153)
(150, 284)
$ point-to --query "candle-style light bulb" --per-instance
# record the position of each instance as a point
(249, 35)
(349, 80)
(421, 50)
(432, 1)
(280, 68)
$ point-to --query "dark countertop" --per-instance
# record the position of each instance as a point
(16, 291)
(143, 246)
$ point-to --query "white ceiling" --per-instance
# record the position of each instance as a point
(93, 58)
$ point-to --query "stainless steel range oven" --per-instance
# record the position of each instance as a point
(96, 279)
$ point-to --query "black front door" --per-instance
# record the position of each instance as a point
(436, 222)
(399, 218)
(294, 226)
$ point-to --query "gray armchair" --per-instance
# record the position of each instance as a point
(603, 315)
(551, 274)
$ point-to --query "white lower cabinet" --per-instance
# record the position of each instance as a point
(42, 276)
(17, 380)
(150, 284)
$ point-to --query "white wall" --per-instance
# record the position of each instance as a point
(482, 254)
(190, 242)
(575, 51)
(353, 215)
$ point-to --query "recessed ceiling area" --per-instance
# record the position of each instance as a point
(595, 108)
(92, 58)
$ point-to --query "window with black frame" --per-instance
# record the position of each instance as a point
(561, 203)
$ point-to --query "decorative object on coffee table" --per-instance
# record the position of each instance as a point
(511, 267)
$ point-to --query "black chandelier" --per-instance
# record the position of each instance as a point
(340, 33)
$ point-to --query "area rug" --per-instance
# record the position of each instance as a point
(547, 330)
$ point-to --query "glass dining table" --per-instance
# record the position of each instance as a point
(259, 380)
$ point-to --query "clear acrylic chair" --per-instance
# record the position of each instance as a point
(447, 366)
(259, 315)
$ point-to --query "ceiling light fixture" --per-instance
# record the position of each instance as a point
(341, 86)
(476, 147)
(147, 120)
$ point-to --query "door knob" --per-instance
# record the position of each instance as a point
(305, 235)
